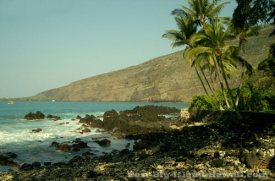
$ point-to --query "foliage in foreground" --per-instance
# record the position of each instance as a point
(252, 98)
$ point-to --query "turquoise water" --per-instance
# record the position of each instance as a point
(16, 135)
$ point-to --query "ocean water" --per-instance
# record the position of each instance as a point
(16, 135)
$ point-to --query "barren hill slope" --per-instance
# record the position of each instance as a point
(167, 78)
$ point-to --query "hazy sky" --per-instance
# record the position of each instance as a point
(46, 44)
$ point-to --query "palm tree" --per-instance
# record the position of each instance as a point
(188, 21)
(187, 27)
(204, 36)
(201, 10)
(212, 41)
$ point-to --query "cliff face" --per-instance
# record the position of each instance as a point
(164, 78)
(167, 78)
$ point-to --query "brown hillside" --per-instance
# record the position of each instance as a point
(167, 78)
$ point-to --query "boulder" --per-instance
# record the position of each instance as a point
(250, 159)
(218, 162)
(76, 160)
(87, 153)
(124, 152)
(271, 164)
(85, 130)
(55, 144)
(36, 164)
(63, 147)
(11, 155)
(110, 115)
(3, 159)
(112, 119)
(91, 121)
(92, 174)
(184, 114)
(58, 164)
(6, 159)
(36, 130)
(26, 166)
(104, 142)
(79, 144)
(12, 163)
(47, 163)
(54, 118)
(32, 116)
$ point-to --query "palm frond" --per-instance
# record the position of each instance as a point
(194, 52)
(216, 9)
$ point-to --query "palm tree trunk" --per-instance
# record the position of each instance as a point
(206, 80)
(212, 90)
(220, 80)
(239, 88)
(227, 85)
(201, 81)
(213, 83)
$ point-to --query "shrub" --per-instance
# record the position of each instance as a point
(204, 103)
(251, 98)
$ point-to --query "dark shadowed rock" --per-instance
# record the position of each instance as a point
(91, 121)
(58, 164)
(47, 163)
(32, 116)
(87, 153)
(54, 118)
(36, 164)
(75, 160)
(113, 114)
(217, 163)
(92, 174)
(26, 166)
(104, 142)
(78, 144)
(6, 159)
(55, 144)
(250, 159)
(11, 155)
(124, 152)
(36, 130)
(85, 130)
(63, 147)
(271, 164)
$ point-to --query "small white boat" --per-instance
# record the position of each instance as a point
(53, 100)
(10, 102)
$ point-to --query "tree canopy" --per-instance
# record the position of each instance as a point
(251, 12)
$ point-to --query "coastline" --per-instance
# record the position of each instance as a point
(215, 144)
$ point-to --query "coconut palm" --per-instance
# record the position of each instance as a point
(187, 27)
(201, 10)
(212, 41)
(188, 21)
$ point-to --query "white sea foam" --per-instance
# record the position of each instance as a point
(50, 129)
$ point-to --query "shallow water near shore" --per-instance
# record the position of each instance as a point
(16, 135)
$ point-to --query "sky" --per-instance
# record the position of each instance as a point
(46, 44)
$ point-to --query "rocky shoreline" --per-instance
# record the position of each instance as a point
(212, 146)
